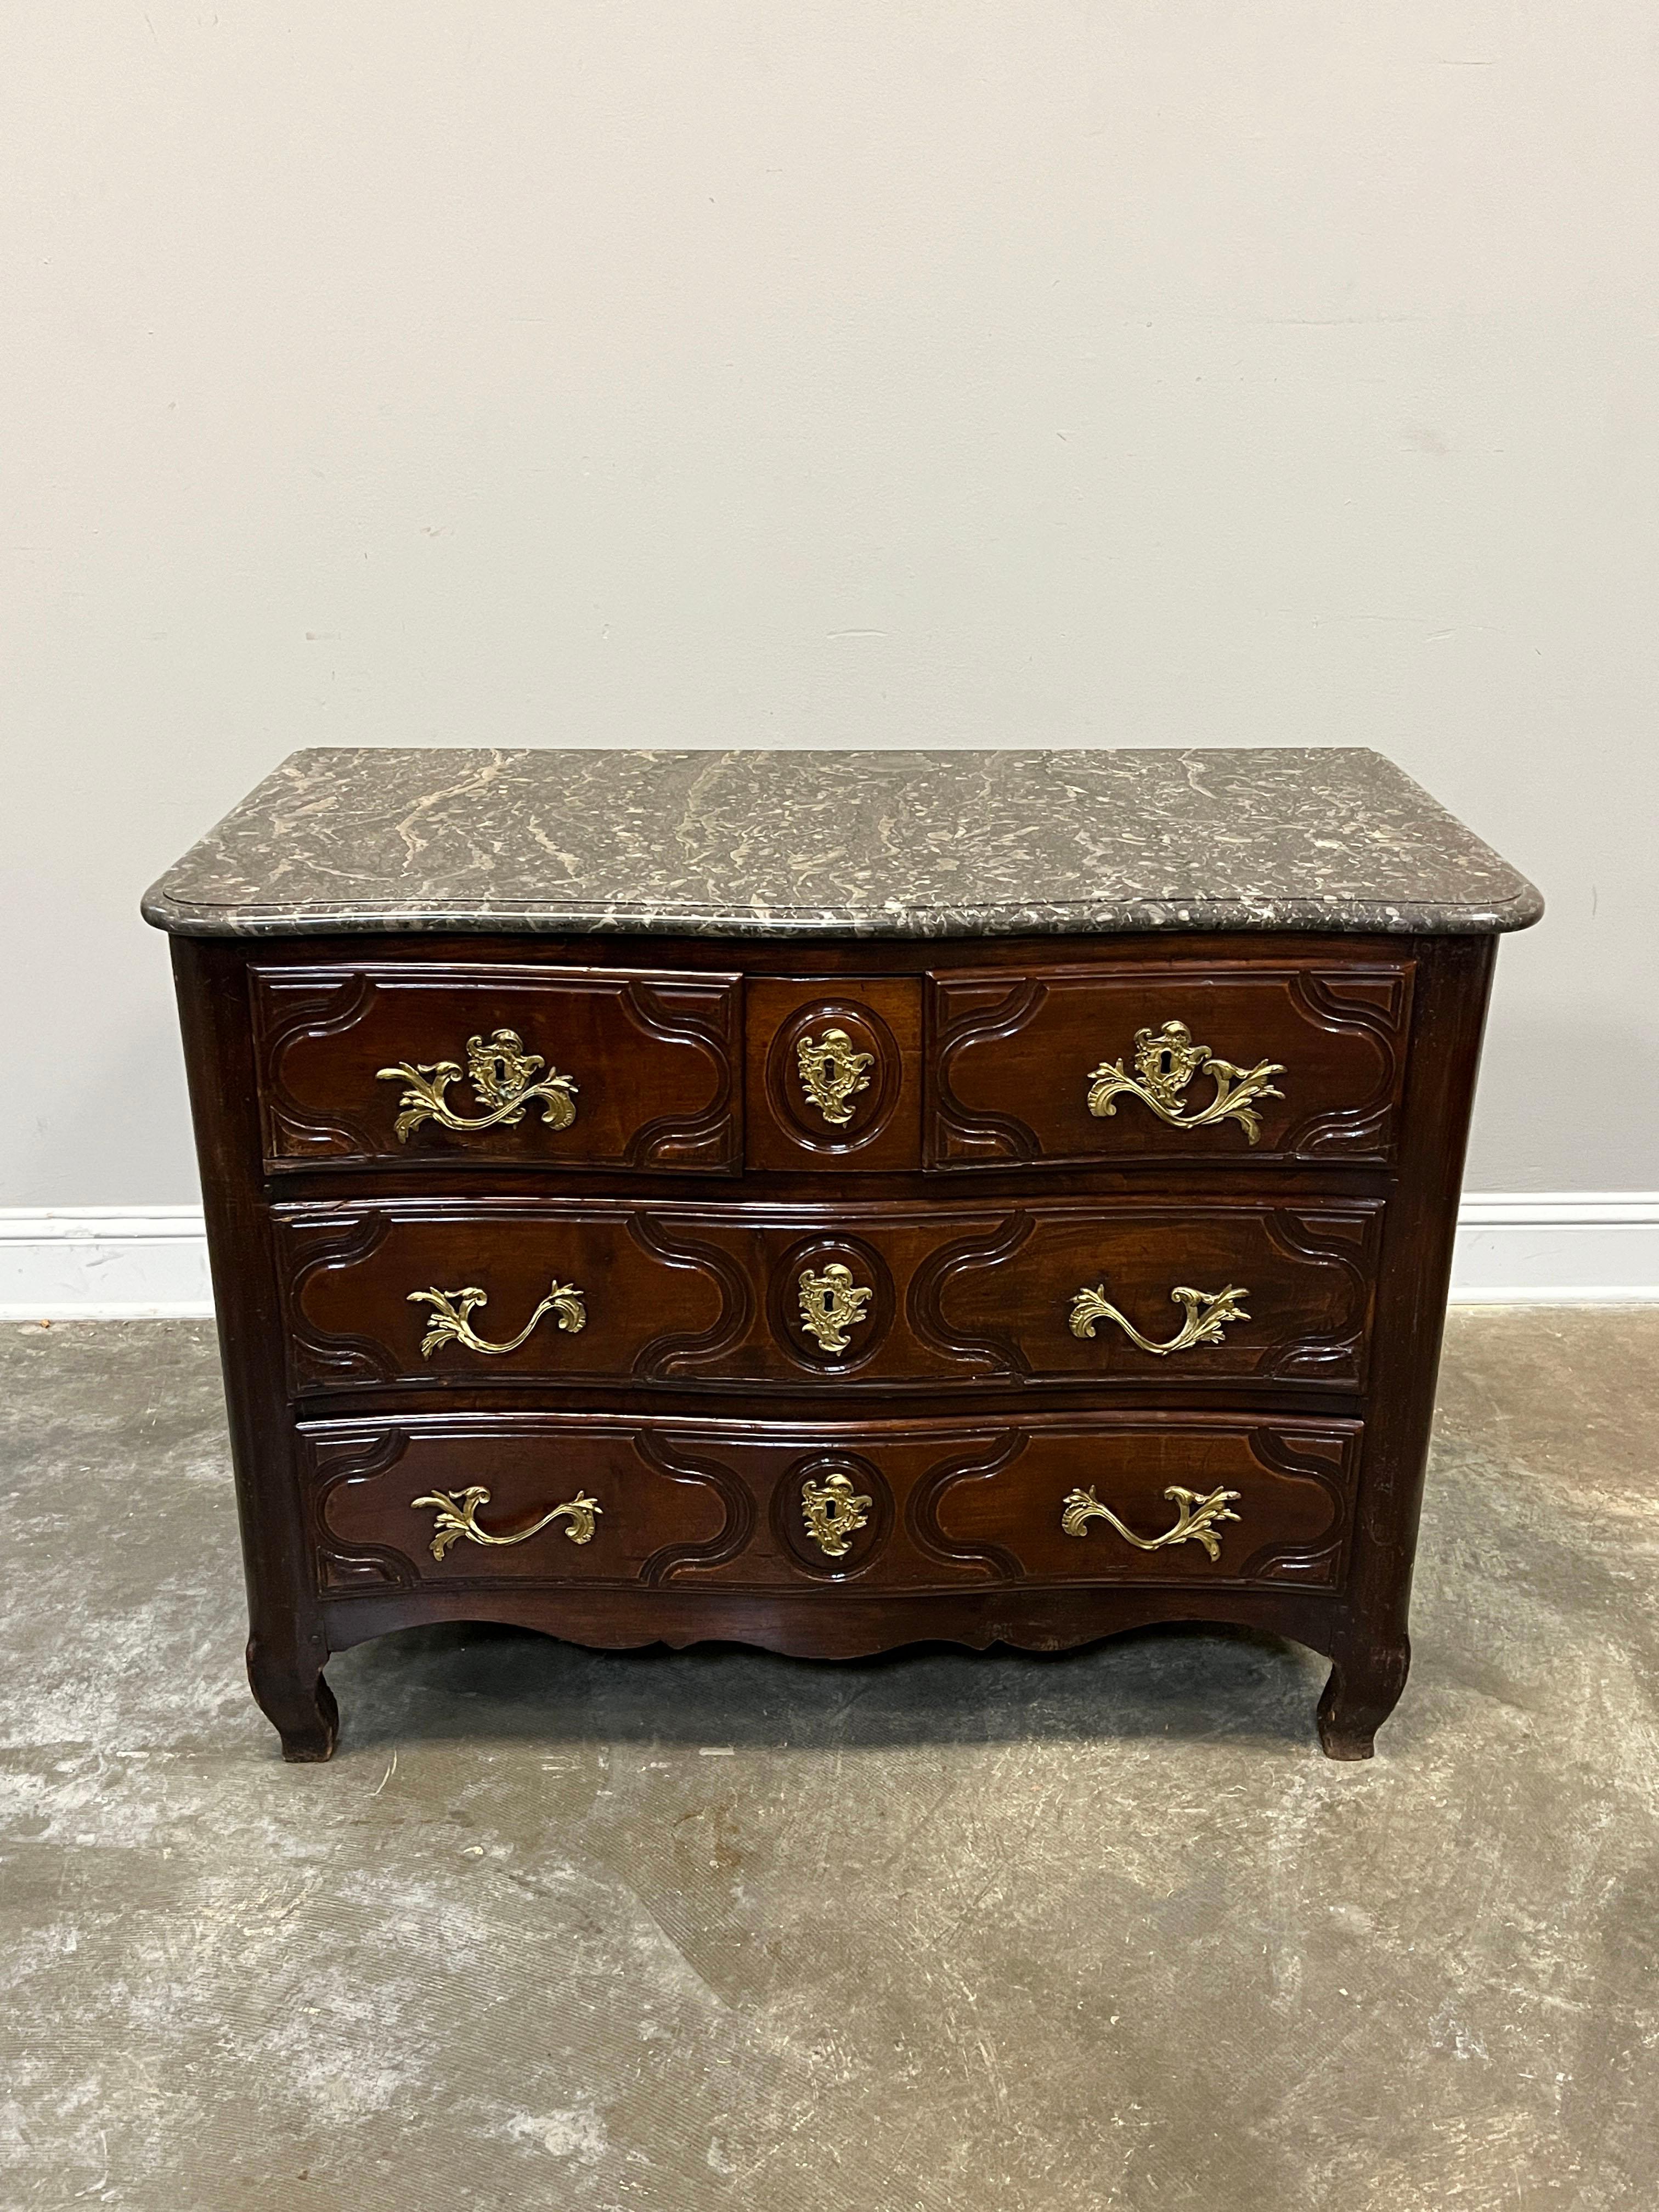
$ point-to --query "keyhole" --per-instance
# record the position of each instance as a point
(1165, 1062)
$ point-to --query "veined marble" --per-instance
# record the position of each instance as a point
(840, 845)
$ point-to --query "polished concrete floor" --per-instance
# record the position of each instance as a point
(938, 1933)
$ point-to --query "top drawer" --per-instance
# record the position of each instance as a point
(1217, 1060)
(535, 1066)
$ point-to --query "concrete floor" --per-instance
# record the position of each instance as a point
(937, 1933)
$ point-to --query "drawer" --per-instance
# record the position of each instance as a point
(834, 1071)
(1165, 1296)
(1104, 1064)
(464, 1502)
(395, 1065)
(470, 1502)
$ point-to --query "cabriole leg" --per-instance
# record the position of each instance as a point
(1366, 1681)
(290, 1692)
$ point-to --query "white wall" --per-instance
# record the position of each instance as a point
(866, 373)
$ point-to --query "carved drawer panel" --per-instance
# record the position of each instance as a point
(456, 1294)
(463, 1501)
(835, 1074)
(537, 1067)
(1188, 1500)
(1182, 1296)
(469, 1502)
(1109, 1063)
(1165, 1296)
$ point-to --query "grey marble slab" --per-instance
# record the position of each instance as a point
(839, 844)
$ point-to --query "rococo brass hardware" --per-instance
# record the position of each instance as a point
(457, 1516)
(1166, 1061)
(832, 1074)
(832, 1511)
(830, 1304)
(1195, 1518)
(452, 1312)
(1207, 1312)
(500, 1073)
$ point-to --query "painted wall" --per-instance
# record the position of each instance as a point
(861, 373)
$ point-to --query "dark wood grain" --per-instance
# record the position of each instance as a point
(1374, 1654)
(652, 1054)
(691, 1403)
(287, 1642)
(958, 1294)
(699, 1505)
(1014, 1055)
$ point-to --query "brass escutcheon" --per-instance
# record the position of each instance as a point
(830, 1304)
(832, 1074)
(500, 1073)
(1166, 1061)
(833, 1511)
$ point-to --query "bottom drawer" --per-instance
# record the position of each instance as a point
(472, 1502)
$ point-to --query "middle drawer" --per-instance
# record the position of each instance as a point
(1166, 1295)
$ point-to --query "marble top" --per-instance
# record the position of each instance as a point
(839, 844)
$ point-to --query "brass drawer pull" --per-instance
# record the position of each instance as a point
(1207, 1312)
(451, 1322)
(830, 1304)
(832, 1511)
(457, 1516)
(1195, 1518)
(1166, 1061)
(832, 1074)
(500, 1073)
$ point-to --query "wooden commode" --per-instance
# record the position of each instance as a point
(825, 1200)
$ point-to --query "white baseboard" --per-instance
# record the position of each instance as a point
(110, 1263)
(1583, 1248)
(143, 1263)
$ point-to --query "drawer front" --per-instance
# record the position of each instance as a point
(1162, 1296)
(835, 1074)
(1096, 1065)
(451, 1295)
(537, 1067)
(466, 1502)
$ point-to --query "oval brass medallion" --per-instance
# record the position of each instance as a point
(832, 1514)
